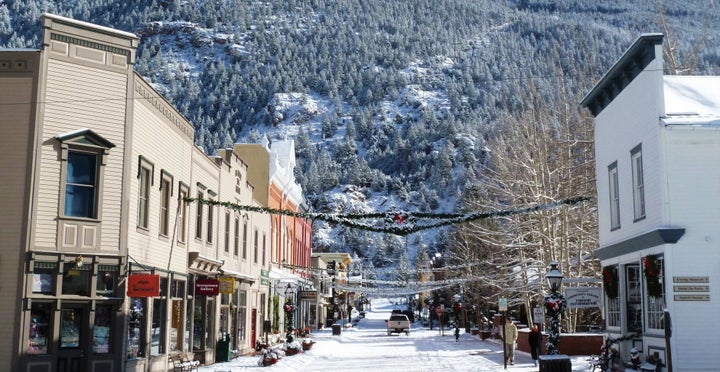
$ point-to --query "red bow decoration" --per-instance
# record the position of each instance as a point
(554, 304)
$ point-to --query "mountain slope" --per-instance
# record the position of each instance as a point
(393, 105)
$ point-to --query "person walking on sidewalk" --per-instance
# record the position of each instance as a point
(510, 335)
(534, 339)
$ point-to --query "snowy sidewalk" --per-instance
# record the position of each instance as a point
(367, 347)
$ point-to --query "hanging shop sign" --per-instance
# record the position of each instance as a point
(264, 276)
(143, 285)
(207, 287)
(227, 285)
(308, 295)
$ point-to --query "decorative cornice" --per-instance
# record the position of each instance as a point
(89, 44)
(164, 108)
(627, 68)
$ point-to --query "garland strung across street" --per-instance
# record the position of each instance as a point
(398, 223)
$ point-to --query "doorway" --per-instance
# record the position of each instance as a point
(73, 338)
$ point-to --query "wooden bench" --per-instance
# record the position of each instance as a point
(181, 363)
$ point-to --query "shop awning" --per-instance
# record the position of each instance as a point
(243, 277)
(287, 276)
(200, 264)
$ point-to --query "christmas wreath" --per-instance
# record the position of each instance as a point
(652, 276)
(610, 282)
(554, 304)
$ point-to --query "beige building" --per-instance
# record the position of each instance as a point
(107, 265)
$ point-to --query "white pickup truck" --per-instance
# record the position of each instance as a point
(398, 323)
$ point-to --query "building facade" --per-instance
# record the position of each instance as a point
(656, 138)
(117, 251)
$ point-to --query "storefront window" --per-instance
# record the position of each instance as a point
(242, 316)
(158, 327)
(44, 278)
(75, 281)
(224, 313)
(188, 324)
(176, 312)
(209, 322)
(656, 305)
(70, 328)
(633, 298)
(198, 324)
(175, 323)
(39, 328)
(105, 280)
(203, 321)
(102, 329)
(136, 325)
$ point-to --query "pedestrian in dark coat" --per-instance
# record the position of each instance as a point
(534, 339)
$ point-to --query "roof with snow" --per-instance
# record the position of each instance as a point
(692, 100)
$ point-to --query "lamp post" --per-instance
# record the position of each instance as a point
(289, 308)
(554, 307)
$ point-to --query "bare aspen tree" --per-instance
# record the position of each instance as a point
(544, 155)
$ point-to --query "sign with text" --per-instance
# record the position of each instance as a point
(538, 316)
(308, 295)
(502, 303)
(691, 279)
(227, 285)
(143, 285)
(583, 297)
(207, 287)
(264, 276)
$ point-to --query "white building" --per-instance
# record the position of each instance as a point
(657, 146)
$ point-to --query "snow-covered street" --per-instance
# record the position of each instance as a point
(368, 347)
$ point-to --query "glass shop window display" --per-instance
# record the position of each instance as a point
(101, 329)
(137, 323)
(70, 328)
(39, 326)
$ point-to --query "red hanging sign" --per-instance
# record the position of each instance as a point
(207, 287)
(143, 285)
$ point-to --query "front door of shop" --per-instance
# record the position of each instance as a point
(73, 338)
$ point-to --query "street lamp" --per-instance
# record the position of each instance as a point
(289, 312)
(554, 307)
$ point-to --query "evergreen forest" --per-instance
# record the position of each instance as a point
(447, 106)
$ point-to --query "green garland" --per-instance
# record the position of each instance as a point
(652, 276)
(398, 223)
(610, 282)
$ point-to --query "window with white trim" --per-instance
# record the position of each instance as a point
(81, 185)
(638, 182)
(199, 216)
(145, 179)
(165, 194)
(210, 224)
(227, 231)
(633, 297)
(614, 188)
(255, 247)
(655, 305)
(182, 213)
(244, 243)
(83, 156)
(264, 248)
(236, 236)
